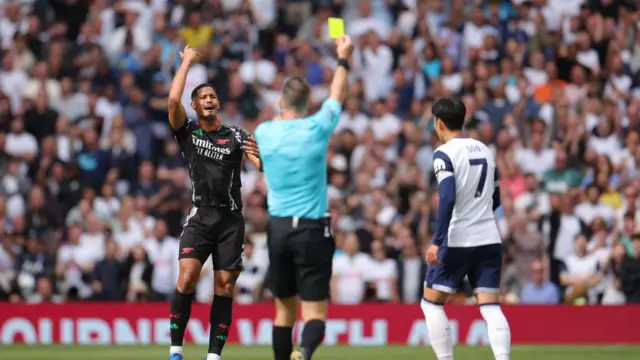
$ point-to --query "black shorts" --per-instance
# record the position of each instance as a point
(300, 258)
(214, 231)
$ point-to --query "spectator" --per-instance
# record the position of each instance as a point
(139, 39)
(630, 273)
(138, 272)
(106, 277)
(72, 104)
(7, 268)
(75, 263)
(352, 119)
(41, 83)
(591, 208)
(195, 33)
(629, 227)
(612, 293)
(539, 290)
(20, 144)
(14, 186)
(384, 278)
(526, 248)
(44, 293)
(250, 281)
(40, 120)
(537, 159)
(126, 234)
(533, 203)
(561, 178)
(32, 265)
(14, 80)
(163, 254)
(92, 162)
(581, 275)
(350, 272)
(564, 227)
(21, 53)
(411, 269)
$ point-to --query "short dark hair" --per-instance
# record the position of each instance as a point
(451, 111)
(194, 93)
(295, 93)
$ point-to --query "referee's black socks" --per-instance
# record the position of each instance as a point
(282, 339)
(220, 320)
(180, 313)
(312, 335)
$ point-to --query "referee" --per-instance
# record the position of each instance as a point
(293, 150)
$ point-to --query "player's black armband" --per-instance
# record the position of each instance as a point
(344, 63)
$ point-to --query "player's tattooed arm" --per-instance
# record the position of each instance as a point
(251, 151)
(177, 114)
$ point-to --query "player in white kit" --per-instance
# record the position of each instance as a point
(466, 240)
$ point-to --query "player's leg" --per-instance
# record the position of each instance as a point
(227, 264)
(441, 281)
(195, 248)
(314, 260)
(432, 305)
(484, 277)
(221, 311)
(282, 284)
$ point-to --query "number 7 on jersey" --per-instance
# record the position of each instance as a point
(483, 174)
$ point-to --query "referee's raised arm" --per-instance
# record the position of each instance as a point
(339, 84)
(327, 118)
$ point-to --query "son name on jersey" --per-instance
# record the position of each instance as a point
(207, 149)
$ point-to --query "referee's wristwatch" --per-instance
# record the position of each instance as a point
(344, 63)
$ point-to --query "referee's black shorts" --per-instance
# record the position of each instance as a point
(300, 257)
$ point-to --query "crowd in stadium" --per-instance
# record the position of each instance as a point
(94, 189)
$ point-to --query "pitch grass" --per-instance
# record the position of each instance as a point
(71, 352)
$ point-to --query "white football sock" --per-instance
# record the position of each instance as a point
(213, 357)
(498, 328)
(439, 330)
(175, 350)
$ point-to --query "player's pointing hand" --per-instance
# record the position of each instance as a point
(432, 255)
(189, 54)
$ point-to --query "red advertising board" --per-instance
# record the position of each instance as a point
(119, 323)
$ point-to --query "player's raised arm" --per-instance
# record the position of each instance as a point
(344, 49)
(177, 115)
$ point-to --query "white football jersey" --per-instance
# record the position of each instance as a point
(473, 166)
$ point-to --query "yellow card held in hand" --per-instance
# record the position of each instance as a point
(336, 27)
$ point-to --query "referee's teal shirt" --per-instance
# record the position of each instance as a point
(294, 160)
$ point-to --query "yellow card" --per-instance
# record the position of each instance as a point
(336, 27)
